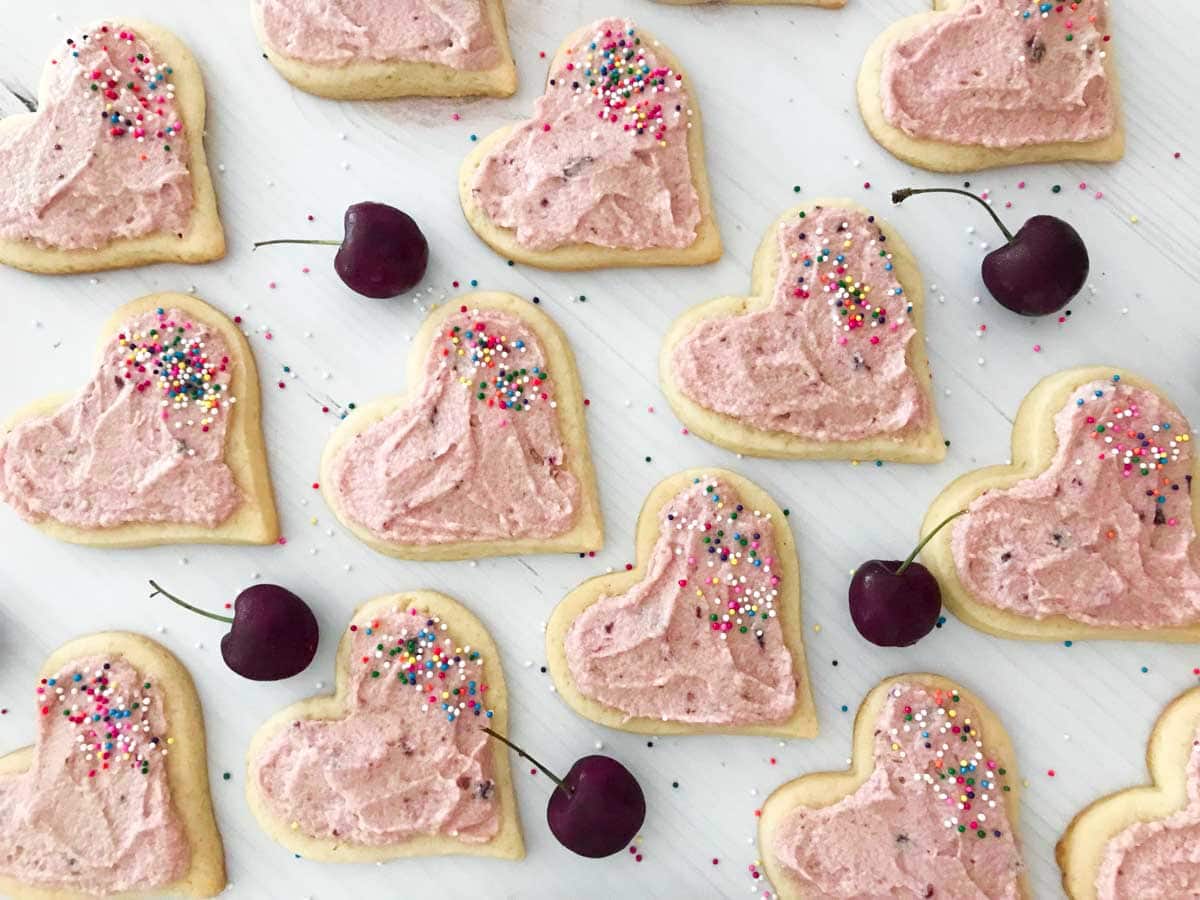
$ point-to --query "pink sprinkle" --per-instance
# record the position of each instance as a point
(455, 116)
(269, 336)
(282, 541)
(1099, 195)
(1037, 348)
(271, 285)
(683, 431)
(650, 409)
(546, 127)
(305, 270)
(867, 185)
(1020, 185)
(1008, 204)
(1083, 185)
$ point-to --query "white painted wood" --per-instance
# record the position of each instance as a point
(776, 87)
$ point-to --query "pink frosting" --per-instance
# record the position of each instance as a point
(604, 160)
(697, 639)
(72, 177)
(144, 441)
(1001, 76)
(1157, 860)
(930, 820)
(1105, 535)
(477, 455)
(455, 33)
(93, 815)
(409, 758)
(827, 359)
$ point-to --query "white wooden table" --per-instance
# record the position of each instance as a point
(776, 89)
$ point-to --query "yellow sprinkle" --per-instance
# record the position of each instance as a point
(170, 740)
(817, 628)
(1134, 219)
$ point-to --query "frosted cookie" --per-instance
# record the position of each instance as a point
(110, 171)
(1090, 532)
(1140, 843)
(487, 455)
(825, 361)
(982, 83)
(162, 445)
(703, 635)
(928, 807)
(610, 169)
(395, 763)
(113, 799)
(374, 49)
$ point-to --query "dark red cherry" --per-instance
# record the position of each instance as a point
(273, 633)
(595, 811)
(1038, 270)
(894, 603)
(383, 253)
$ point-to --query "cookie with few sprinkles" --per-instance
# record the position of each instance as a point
(140, 107)
(417, 676)
(117, 738)
(621, 85)
(833, 362)
(493, 379)
(957, 785)
(369, 78)
(1168, 800)
(200, 413)
(967, 156)
(736, 613)
(1144, 458)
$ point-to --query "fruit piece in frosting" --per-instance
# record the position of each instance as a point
(106, 155)
(409, 758)
(1003, 75)
(1157, 860)
(697, 639)
(477, 455)
(144, 441)
(930, 820)
(604, 160)
(94, 814)
(828, 358)
(454, 33)
(1105, 535)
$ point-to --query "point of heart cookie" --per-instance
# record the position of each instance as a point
(163, 444)
(906, 817)
(703, 634)
(326, 776)
(486, 455)
(460, 50)
(119, 104)
(925, 85)
(1102, 852)
(599, 177)
(826, 358)
(120, 758)
(1089, 533)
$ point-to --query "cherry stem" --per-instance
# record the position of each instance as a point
(158, 590)
(297, 241)
(929, 537)
(902, 195)
(502, 739)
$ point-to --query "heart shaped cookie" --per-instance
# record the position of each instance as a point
(825, 361)
(1090, 531)
(609, 171)
(395, 763)
(110, 171)
(486, 456)
(369, 50)
(703, 635)
(825, 4)
(114, 797)
(982, 83)
(163, 445)
(1141, 842)
(928, 807)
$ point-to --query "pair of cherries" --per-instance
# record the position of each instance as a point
(595, 810)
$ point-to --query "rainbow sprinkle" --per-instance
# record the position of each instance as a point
(735, 578)
(955, 768)
(169, 356)
(109, 728)
(136, 91)
(487, 359)
(419, 655)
